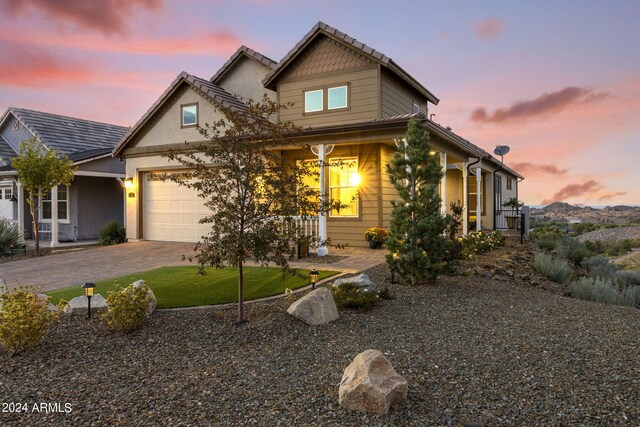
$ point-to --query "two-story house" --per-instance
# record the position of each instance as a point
(354, 104)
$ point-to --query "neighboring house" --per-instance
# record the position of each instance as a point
(96, 194)
(354, 103)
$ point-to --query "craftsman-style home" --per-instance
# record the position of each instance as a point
(354, 103)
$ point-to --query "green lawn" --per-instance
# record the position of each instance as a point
(184, 287)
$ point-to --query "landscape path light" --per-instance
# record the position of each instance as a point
(393, 267)
(88, 292)
(313, 275)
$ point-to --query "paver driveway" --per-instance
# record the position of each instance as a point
(74, 268)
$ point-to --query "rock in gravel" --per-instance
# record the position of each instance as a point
(152, 304)
(78, 306)
(362, 281)
(370, 384)
(315, 308)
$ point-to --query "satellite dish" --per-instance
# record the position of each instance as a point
(501, 150)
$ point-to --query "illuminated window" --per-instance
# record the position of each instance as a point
(313, 101)
(311, 184)
(343, 186)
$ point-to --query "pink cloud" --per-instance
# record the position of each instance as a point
(542, 106)
(575, 190)
(529, 169)
(489, 29)
(221, 43)
(106, 16)
(610, 195)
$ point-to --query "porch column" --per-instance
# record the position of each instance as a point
(54, 216)
(443, 182)
(465, 198)
(20, 197)
(322, 216)
(478, 199)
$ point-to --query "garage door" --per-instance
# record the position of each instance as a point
(170, 211)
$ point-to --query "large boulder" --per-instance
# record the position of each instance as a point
(361, 281)
(370, 384)
(152, 304)
(78, 306)
(315, 308)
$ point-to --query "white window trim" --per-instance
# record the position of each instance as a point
(60, 221)
(330, 187)
(346, 97)
(306, 110)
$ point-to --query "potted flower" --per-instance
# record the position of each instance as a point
(512, 216)
(472, 222)
(375, 236)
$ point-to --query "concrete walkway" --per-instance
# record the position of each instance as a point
(79, 266)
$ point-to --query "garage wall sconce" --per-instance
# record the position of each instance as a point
(128, 184)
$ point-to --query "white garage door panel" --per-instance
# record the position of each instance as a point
(171, 212)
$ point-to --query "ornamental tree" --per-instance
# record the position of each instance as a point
(39, 170)
(252, 190)
(417, 240)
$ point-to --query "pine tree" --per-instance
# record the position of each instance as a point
(417, 240)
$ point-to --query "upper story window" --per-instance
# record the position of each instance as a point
(313, 101)
(337, 97)
(416, 108)
(189, 115)
(329, 98)
(509, 183)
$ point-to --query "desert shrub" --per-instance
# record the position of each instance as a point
(594, 289)
(600, 267)
(9, 235)
(386, 293)
(583, 227)
(555, 269)
(113, 233)
(612, 248)
(480, 242)
(348, 295)
(628, 279)
(631, 296)
(571, 249)
(25, 318)
(127, 308)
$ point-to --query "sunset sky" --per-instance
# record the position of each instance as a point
(559, 82)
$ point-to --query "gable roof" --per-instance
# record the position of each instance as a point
(323, 29)
(243, 51)
(211, 92)
(68, 135)
(5, 149)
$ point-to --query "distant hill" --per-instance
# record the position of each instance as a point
(561, 211)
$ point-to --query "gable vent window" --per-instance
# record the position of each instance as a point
(189, 114)
(337, 97)
(416, 108)
(313, 101)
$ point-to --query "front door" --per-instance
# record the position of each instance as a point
(6, 205)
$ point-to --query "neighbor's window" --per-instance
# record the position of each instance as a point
(8, 192)
(63, 204)
(343, 186)
(337, 97)
(509, 183)
(416, 108)
(473, 195)
(189, 114)
(498, 192)
(313, 101)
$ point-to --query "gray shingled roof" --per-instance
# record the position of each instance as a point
(329, 31)
(69, 135)
(214, 93)
(5, 149)
(243, 51)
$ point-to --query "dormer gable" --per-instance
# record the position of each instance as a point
(242, 74)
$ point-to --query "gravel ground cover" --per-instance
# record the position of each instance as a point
(611, 234)
(474, 349)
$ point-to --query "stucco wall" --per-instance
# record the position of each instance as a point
(14, 137)
(245, 80)
(107, 164)
(97, 201)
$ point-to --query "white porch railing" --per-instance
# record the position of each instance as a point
(307, 226)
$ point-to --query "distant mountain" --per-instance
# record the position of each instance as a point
(561, 211)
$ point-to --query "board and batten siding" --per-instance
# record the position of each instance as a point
(389, 192)
(363, 98)
(397, 97)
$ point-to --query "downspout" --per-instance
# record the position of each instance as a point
(468, 172)
(494, 191)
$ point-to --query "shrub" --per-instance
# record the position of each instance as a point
(9, 235)
(113, 233)
(385, 293)
(480, 242)
(348, 295)
(557, 270)
(571, 249)
(127, 308)
(593, 289)
(25, 318)
(628, 279)
(600, 267)
(631, 296)
(375, 234)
